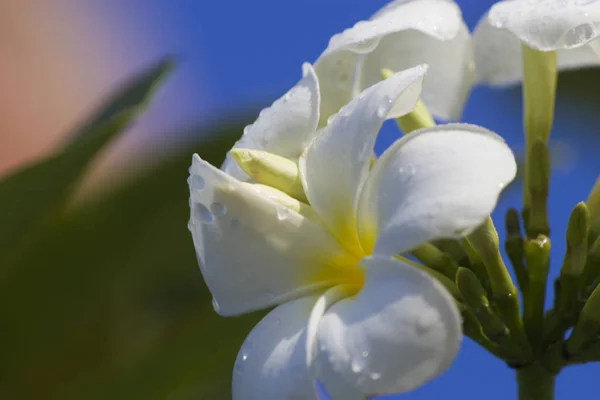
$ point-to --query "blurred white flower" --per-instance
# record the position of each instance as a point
(569, 27)
(350, 311)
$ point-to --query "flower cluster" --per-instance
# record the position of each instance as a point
(304, 217)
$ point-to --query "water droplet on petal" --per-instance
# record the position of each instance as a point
(365, 354)
(579, 34)
(202, 213)
(246, 349)
(357, 366)
(375, 376)
(282, 213)
(197, 182)
(215, 305)
(382, 110)
(218, 209)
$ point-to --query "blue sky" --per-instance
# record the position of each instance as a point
(237, 53)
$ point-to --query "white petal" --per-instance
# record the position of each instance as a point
(401, 330)
(253, 252)
(548, 25)
(336, 163)
(287, 126)
(437, 19)
(435, 183)
(272, 361)
(451, 67)
(498, 55)
(336, 75)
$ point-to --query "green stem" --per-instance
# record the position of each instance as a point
(539, 87)
(533, 312)
(535, 383)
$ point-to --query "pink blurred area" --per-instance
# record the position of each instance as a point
(59, 60)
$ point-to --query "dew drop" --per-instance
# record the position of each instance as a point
(375, 376)
(202, 213)
(282, 213)
(246, 349)
(365, 354)
(357, 366)
(365, 46)
(382, 110)
(579, 34)
(411, 169)
(218, 209)
(197, 182)
(215, 305)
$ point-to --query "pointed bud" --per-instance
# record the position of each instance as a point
(514, 247)
(587, 326)
(577, 241)
(436, 259)
(271, 170)
(591, 272)
(484, 240)
(475, 298)
(570, 281)
(418, 118)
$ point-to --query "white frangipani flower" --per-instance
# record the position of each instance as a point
(569, 27)
(350, 312)
(401, 35)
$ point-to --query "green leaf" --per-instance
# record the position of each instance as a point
(32, 196)
(112, 304)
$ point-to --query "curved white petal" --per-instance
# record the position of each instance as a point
(271, 363)
(401, 330)
(438, 20)
(435, 183)
(548, 25)
(287, 126)
(336, 163)
(498, 55)
(253, 252)
(336, 74)
(451, 67)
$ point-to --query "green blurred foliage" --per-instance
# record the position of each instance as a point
(106, 301)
